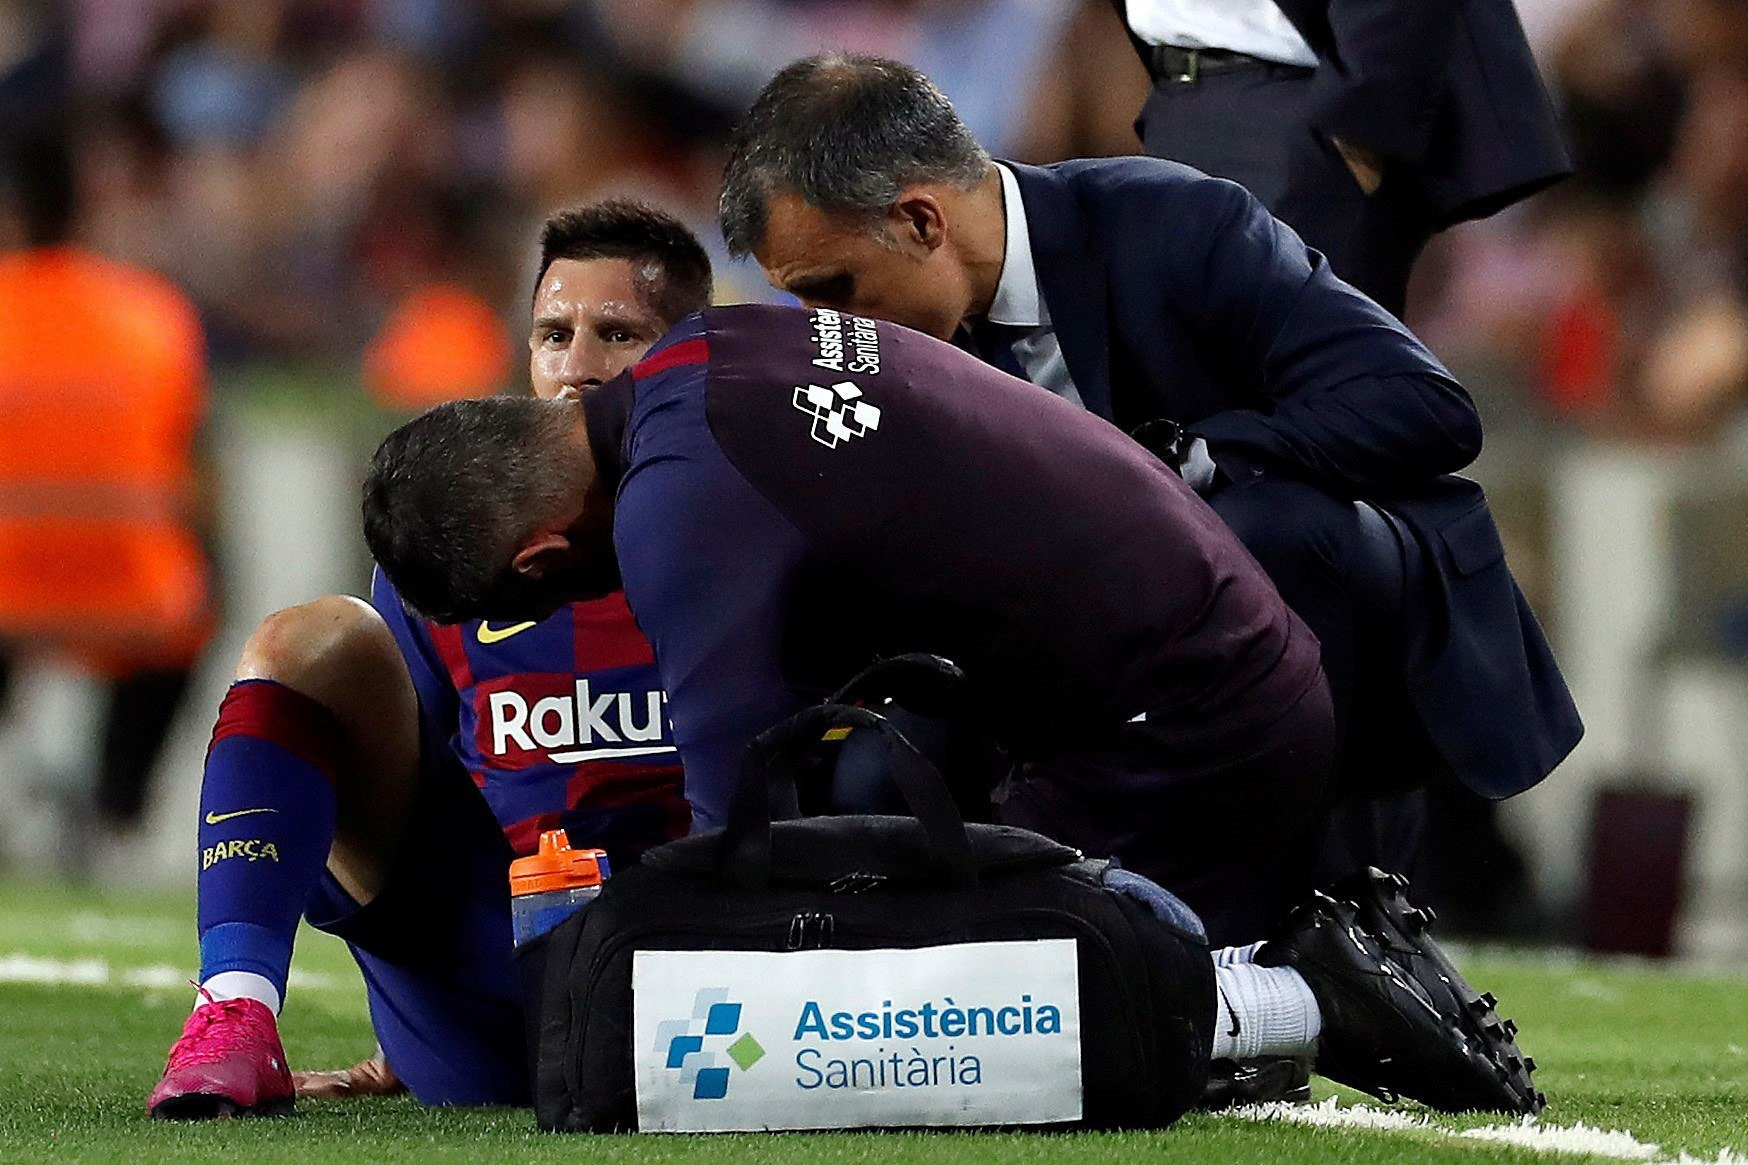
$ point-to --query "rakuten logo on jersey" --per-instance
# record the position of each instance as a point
(582, 725)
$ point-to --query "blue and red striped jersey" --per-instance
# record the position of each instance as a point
(561, 722)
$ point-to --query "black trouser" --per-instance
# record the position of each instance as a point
(140, 709)
(1250, 124)
(1342, 568)
(1228, 825)
(142, 706)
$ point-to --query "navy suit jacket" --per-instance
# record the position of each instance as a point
(1177, 295)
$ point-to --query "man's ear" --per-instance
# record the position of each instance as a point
(919, 220)
(542, 556)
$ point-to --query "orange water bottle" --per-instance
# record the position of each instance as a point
(549, 886)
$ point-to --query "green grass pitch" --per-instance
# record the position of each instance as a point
(1662, 1055)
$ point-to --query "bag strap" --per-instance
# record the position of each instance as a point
(928, 685)
(769, 772)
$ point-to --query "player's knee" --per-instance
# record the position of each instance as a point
(336, 649)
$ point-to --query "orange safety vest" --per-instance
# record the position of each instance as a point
(102, 389)
(441, 343)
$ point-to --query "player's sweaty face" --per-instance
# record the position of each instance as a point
(590, 323)
(868, 269)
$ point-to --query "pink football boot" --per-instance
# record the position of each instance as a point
(229, 1062)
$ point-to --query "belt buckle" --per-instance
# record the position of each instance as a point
(1192, 67)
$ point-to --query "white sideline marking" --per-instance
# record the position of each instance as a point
(18, 967)
(1527, 1132)
(88, 927)
(1329, 1114)
(1579, 1138)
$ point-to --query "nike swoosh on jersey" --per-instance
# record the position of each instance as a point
(216, 818)
(489, 635)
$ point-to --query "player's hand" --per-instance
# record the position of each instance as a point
(1363, 162)
(368, 1077)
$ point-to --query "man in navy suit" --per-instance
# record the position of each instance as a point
(1314, 423)
(1366, 125)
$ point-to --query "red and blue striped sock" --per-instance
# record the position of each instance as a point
(266, 825)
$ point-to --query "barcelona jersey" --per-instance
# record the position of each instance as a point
(561, 723)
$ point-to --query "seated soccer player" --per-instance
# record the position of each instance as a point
(347, 767)
(773, 533)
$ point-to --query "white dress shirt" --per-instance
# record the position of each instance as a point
(1256, 28)
(1019, 301)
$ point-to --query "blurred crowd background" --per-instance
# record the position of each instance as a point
(348, 193)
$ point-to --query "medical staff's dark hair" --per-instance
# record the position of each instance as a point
(620, 229)
(451, 496)
(846, 133)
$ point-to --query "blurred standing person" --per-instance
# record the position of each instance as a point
(1366, 125)
(102, 390)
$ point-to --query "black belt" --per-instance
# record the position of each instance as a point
(1170, 63)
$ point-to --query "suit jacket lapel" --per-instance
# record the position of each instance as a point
(1072, 276)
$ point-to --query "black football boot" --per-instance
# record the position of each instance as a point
(1263, 1080)
(1398, 1020)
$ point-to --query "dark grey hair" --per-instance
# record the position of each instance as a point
(846, 133)
(451, 496)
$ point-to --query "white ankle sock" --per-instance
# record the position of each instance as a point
(240, 985)
(1263, 1011)
(1227, 956)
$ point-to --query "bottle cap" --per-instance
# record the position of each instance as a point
(556, 867)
